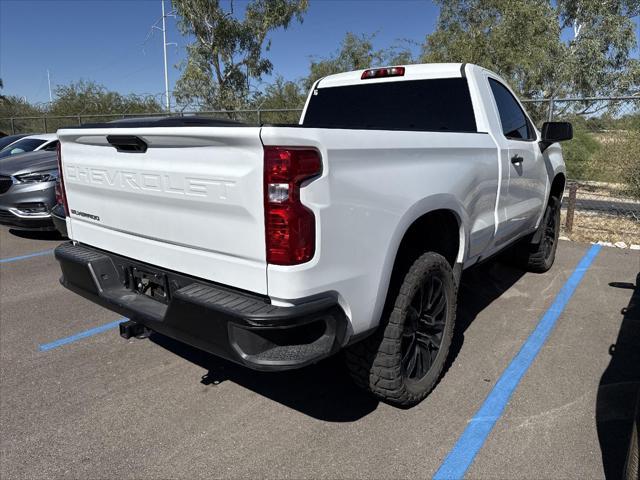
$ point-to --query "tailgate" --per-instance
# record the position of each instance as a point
(192, 202)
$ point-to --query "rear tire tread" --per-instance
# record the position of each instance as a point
(374, 363)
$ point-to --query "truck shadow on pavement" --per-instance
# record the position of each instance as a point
(481, 285)
(619, 388)
(325, 391)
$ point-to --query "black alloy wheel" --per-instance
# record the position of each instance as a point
(424, 327)
(403, 360)
(550, 235)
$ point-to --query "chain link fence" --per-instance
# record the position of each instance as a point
(47, 124)
(602, 198)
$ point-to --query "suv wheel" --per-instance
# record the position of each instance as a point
(402, 362)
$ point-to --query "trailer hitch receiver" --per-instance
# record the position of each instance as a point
(130, 329)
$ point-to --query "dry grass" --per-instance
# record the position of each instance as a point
(594, 227)
(589, 189)
(618, 160)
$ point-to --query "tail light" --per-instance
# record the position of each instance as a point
(290, 227)
(61, 194)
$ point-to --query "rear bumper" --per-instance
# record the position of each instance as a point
(233, 324)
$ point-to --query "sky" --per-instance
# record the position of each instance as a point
(104, 40)
(109, 41)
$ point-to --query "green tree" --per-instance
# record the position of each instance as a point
(13, 106)
(578, 152)
(521, 40)
(603, 37)
(83, 98)
(281, 94)
(357, 52)
(227, 51)
(88, 97)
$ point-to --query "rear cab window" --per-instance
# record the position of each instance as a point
(435, 105)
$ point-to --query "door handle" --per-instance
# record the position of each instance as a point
(517, 160)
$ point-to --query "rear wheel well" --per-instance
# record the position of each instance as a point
(437, 231)
(557, 187)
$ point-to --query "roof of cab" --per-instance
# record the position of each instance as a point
(412, 72)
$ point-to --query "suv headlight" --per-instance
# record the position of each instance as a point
(36, 177)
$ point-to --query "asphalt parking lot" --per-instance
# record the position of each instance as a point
(98, 406)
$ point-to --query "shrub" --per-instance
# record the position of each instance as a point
(578, 153)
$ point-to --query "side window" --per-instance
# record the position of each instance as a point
(515, 124)
(51, 147)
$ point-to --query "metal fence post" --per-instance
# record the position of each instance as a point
(13, 127)
(79, 120)
(550, 115)
(44, 124)
(571, 207)
(259, 117)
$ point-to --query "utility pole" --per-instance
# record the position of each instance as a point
(49, 81)
(165, 44)
(164, 48)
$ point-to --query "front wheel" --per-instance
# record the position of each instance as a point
(538, 256)
(402, 362)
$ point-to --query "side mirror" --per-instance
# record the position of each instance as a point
(553, 132)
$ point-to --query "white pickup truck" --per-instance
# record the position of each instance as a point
(277, 246)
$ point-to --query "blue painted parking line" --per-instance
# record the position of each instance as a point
(24, 257)
(78, 336)
(463, 453)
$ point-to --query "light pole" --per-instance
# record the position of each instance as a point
(49, 81)
(165, 44)
(164, 48)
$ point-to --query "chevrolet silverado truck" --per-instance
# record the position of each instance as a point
(277, 246)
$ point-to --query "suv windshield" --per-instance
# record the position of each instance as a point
(438, 105)
(21, 146)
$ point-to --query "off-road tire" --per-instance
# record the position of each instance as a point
(539, 256)
(376, 363)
